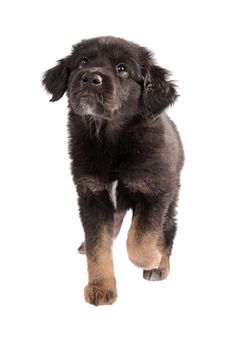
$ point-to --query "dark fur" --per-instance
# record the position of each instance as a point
(119, 131)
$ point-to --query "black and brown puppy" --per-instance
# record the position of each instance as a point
(126, 153)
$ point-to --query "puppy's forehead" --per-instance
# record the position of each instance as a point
(115, 49)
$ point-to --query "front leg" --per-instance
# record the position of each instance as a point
(146, 244)
(117, 223)
(97, 218)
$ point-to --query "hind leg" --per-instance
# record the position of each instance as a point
(81, 249)
(169, 230)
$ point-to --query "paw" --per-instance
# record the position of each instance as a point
(154, 275)
(100, 293)
(81, 249)
(160, 273)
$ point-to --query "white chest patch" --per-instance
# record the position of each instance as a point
(113, 193)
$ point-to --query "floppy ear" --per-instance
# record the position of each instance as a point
(159, 92)
(55, 80)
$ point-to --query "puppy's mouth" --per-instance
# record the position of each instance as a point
(87, 104)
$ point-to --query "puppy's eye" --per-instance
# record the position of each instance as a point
(83, 62)
(121, 70)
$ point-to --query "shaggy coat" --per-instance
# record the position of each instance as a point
(126, 154)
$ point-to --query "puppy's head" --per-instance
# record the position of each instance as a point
(109, 77)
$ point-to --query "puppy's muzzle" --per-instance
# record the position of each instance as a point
(91, 79)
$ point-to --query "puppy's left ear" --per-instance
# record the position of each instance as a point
(55, 80)
(159, 91)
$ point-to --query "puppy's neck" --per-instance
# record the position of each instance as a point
(106, 129)
(113, 129)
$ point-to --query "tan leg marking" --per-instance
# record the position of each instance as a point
(118, 219)
(101, 289)
(142, 247)
(164, 266)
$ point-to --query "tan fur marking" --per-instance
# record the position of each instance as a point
(118, 219)
(143, 248)
(102, 284)
(164, 266)
(101, 265)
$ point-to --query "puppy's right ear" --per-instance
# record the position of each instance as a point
(55, 80)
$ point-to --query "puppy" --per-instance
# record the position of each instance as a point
(126, 154)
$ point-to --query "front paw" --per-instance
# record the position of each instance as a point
(100, 293)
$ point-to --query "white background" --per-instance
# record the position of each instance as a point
(192, 308)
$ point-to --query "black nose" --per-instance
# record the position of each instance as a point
(93, 79)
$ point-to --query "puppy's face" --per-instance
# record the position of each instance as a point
(105, 79)
(110, 78)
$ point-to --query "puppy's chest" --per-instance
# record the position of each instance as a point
(113, 161)
(120, 170)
